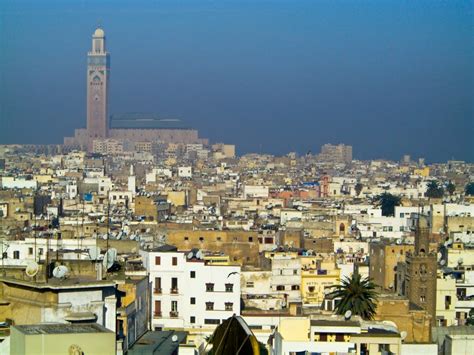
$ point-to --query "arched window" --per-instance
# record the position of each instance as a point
(342, 228)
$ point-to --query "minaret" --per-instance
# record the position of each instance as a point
(98, 65)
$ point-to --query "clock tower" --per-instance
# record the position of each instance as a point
(98, 66)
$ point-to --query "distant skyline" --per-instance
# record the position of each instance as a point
(387, 77)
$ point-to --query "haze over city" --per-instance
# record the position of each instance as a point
(389, 78)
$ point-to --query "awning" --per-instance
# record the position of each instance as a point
(80, 317)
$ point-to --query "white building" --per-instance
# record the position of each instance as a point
(185, 172)
(10, 182)
(188, 292)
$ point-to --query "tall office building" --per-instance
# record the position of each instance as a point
(98, 67)
(340, 153)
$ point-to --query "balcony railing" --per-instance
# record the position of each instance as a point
(157, 314)
(174, 314)
(174, 290)
(157, 291)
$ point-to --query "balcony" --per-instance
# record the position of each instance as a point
(174, 291)
(174, 314)
(157, 291)
(157, 314)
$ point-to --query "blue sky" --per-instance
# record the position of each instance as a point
(388, 77)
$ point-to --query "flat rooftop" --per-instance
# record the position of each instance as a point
(60, 328)
(158, 342)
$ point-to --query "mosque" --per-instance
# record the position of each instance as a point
(134, 127)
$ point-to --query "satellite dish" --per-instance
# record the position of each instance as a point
(390, 286)
(460, 261)
(94, 252)
(174, 338)
(148, 230)
(190, 255)
(403, 335)
(109, 258)
(32, 269)
(348, 315)
(327, 291)
(399, 241)
(341, 238)
(199, 254)
(60, 271)
(439, 256)
(442, 262)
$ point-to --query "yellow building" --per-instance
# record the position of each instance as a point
(445, 301)
(50, 339)
(331, 335)
(317, 277)
(424, 172)
(176, 198)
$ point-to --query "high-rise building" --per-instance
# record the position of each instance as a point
(98, 67)
(340, 153)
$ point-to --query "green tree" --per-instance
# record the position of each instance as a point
(387, 202)
(469, 189)
(434, 190)
(358, 188)
(450, 187)
(356, 295)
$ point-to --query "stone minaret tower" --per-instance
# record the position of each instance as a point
(417, 275)
(98, 65)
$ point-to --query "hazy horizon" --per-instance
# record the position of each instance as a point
(387, 77)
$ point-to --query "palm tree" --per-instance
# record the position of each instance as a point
(387, 203)
(356, 295)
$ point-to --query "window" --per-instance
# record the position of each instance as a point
(209, 306)
(16, 254)
(192, 300)
(229, 306)
(250, 284)
(157, 308)
(280, 288)
(295, 287)
(229, 287)
(174, 306)
(422, 299)
(250, 239)
(30, 251)
(212, 321)
(295, 272)
(157, 260)
(209, 287)
(447, 302)
(157, 284)
(219, 239)
(186, 238)
(192, 274)
(192, 319)
(174, 285)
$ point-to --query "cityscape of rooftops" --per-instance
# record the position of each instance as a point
(244, 177)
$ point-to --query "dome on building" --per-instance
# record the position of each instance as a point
(99, 32)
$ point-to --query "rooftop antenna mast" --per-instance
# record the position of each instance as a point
(108, 219)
